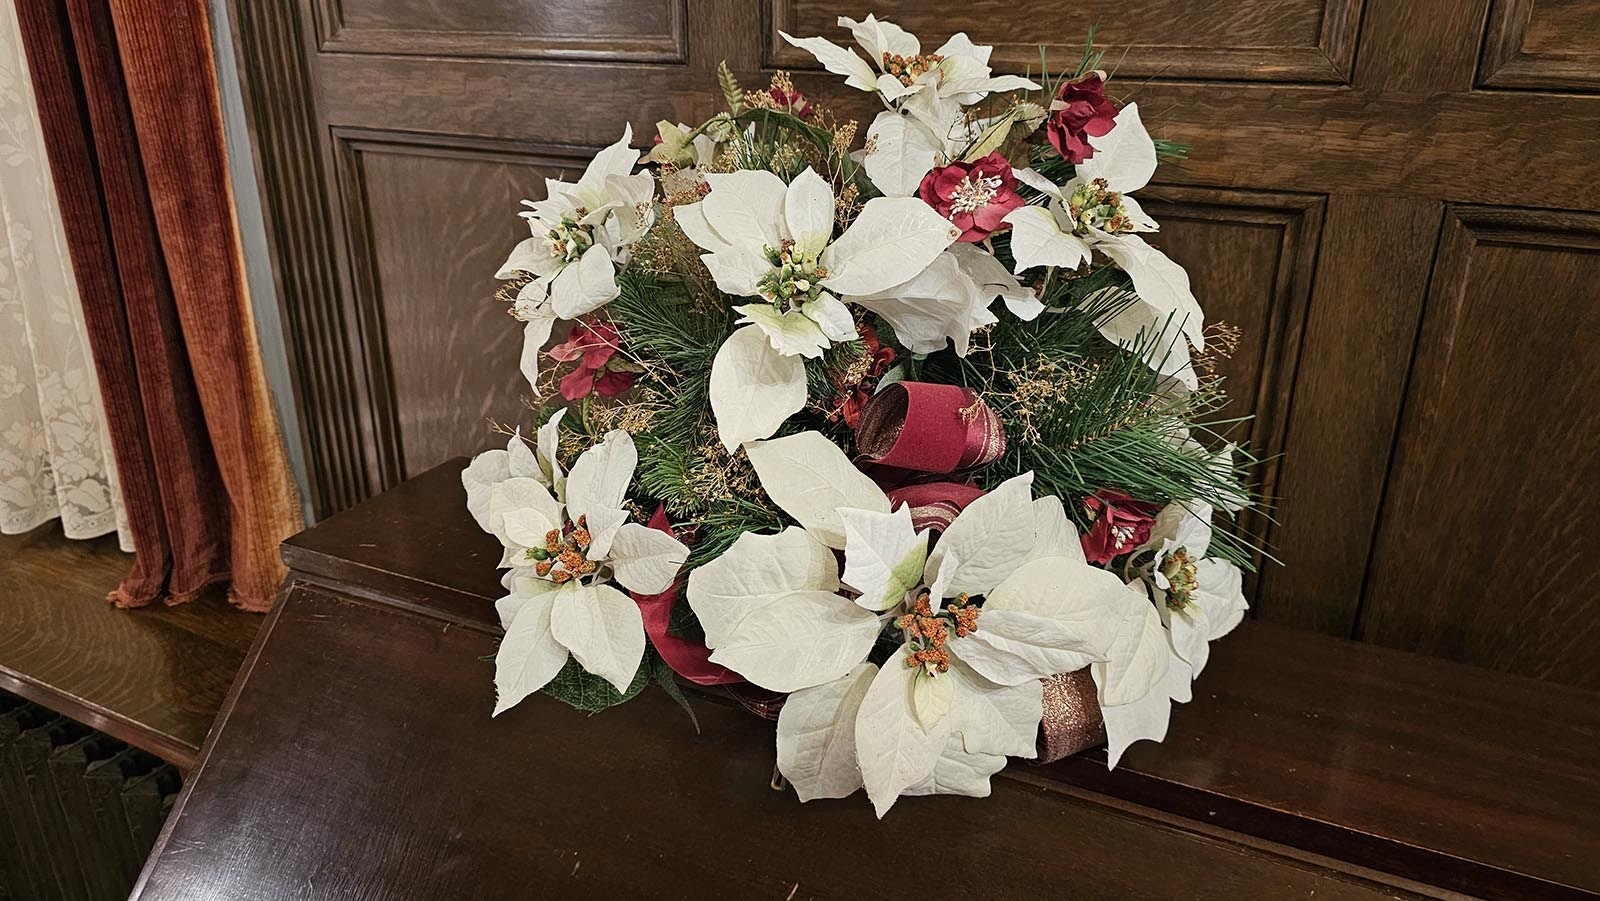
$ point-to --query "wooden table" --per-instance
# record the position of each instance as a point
(355, 758)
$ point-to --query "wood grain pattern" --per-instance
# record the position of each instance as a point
(1542, 44)
(552, 29)
(1497, 448)
(154, 677)
(1251, 40)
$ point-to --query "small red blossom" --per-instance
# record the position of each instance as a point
(1079, 112)
(790, 100)
(592, 345)
(1120, 524)
(975, 196)
(855, 389)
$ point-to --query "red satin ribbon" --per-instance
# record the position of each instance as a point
(934, 505)
(929, 427)
(688, 659)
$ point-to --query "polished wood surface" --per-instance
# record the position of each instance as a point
(1334, 143)
(153, 677)
(1456, 776)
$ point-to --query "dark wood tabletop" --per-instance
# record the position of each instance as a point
(356, 757)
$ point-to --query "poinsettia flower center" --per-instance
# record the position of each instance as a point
(1182, 578)
(565, 555)
(910, 68)
(795, 277)
(928, 633)
(974, 193)
(570, 238)
(1095, 206)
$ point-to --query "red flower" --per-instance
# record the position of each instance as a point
(1079, 112)
(974, 196)
(855, 389)
(1121, 524)
(592, 344)
(790, 100)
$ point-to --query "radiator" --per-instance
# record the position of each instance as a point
(79, 810)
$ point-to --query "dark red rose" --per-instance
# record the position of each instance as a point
(974, 196)
(790, 100)
(1079, 112)
(592, 345)
(1120, 524)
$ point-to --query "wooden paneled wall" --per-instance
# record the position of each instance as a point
(1394, 201)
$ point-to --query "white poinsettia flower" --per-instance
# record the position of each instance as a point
(1200, 598)
(924, 92)
(962, 690)
(948, 301)
(567, 538)
(1094, 212)
(582, 231)
(774, 243)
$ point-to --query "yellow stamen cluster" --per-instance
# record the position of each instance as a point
(567, 551)
(928, 633)
(909, 69)
(1182, 578)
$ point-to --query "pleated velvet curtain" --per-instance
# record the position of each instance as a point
(129, 108)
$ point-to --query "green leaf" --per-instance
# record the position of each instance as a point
(731, 92)
(575, 687)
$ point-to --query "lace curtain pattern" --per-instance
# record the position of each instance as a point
(55, 454)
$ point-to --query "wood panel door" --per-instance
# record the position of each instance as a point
(1390, 199)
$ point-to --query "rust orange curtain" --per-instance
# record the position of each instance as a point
(128, 101)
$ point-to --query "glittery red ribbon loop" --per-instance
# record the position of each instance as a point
(928, 427)
(1072, 720)
(934, 505)
(688, 659)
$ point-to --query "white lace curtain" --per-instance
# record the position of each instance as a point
(55, 456)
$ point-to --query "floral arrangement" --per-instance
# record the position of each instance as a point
(793, 446)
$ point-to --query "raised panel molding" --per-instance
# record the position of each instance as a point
(501, 30)
(1484, 547)
(1283, 41)
(1542, 44)
(1250, 256)
(429, 219)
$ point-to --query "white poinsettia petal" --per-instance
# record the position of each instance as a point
(986, 542)
(753, 388)
(646, 560)
(931, 697)
(724, 591)
(549, 440)
(1159, 282)
(1053, 534)
(523, 588)
(527, 256)
(1142, 329)
(599, 479)
(634, 196)
(603, 524)
(878, 37)
(520, 458)
(585, 286)
(737, 270)
(603, 629)
(1037, 240)
(892, 748)
(941, 305)
(1188, 631)
(1146, 717)
(808, 212)
(526, 527)
(1222, 594)
(790, 333)
(479, 478)
(958, 772)
(992, 718)
(1037, 182)
(794, 640)
(1124, 156)
(617, 159)
(529, 656)
(691, 217)
(1087, 602)
(817, 736)
(534, 336)
(890, 241)
(811, 479)
(1010, 648)
(514, 495)
(832, 317)
(903, 151)
(883, 555)
(837, 60)
(746, 207)
(992, 280)
(1138, 657)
